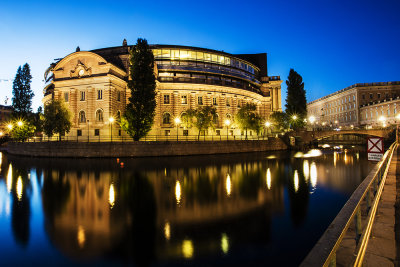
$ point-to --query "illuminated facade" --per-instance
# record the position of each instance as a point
(94, 85)
(344, 107)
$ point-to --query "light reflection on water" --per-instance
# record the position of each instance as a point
(172, 210)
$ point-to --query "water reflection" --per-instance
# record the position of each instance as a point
(173, 209)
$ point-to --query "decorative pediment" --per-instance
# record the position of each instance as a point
(80, 70)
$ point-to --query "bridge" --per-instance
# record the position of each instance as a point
(309, 136)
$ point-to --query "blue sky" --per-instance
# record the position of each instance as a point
(331, 43)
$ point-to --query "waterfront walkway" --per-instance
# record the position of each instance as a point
(384, 244)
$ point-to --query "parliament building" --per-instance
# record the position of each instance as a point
(93, 84)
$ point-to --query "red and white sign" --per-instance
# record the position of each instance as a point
(375, 148)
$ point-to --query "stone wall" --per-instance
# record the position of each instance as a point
(141, 149)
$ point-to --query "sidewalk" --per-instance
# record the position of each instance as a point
(382, 248)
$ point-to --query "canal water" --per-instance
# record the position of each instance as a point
(241, 209)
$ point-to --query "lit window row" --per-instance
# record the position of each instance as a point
(180, 54)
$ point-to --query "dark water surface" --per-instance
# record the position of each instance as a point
(242, 209)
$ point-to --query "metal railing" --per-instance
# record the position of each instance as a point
(149, 138)
(324, 252)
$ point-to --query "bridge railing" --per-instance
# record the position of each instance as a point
(364, 200)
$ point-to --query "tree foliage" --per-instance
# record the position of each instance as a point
(202, 118)
(296, 102)
(247, 118)
(140, 111)
(280, 120)
(23, 131)
(22, 92)
(56, 118)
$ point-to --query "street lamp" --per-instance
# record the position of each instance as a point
(111, 120)
(20, 123)
(294, 117)
(267, 124)
(9, 126)
(382, 119)
(311, 119)
(177, 121)
(227, 123)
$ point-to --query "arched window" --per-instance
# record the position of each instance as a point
(215, 119)
(99, 115)
(228, 116)
(166, 118)
(82, 116)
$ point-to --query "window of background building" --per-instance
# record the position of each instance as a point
(228, 102)
(200, 100)
(166, 118)
(82, 96)
(66, 97)
(379, 95)
(354, 98)
(99, 115)
(363, 96)
(82, 116)
(394, 109)
(185, 132)
(79, 132)
(99, 94)
(119, 132)
(97, 132)
(370, 96)
(217, 132)
(167, 132)
(184, 99)
(214, 101)
(118, 96)
(166, 99)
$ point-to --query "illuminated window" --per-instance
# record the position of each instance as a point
(166, 99)
(166, 118)
(99, 115)
(184, 99)
(82, 116)
(165, 53)
(167, 132)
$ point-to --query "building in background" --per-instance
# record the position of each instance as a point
(94, 85)
(5, 116)
(345, 108)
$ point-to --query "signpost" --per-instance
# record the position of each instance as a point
(375, 148)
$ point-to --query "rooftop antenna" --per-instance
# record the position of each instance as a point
(6, 100)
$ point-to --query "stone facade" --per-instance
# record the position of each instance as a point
(94, 86)
(343, 107)
(380, 113)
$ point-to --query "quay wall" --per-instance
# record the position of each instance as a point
(140, 148)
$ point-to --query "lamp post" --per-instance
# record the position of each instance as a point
(294, 118)
(88, 130)
(267, 125)
(227, 123)
(311, 119)
(382, 119)
(177, 121)
(111, 120)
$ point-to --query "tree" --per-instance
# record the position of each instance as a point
(22, 92)
(22, 130)
(140, 111)
(280, 120)
(248, 118)
(202, 118)
(56, 118)
(296, 102)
